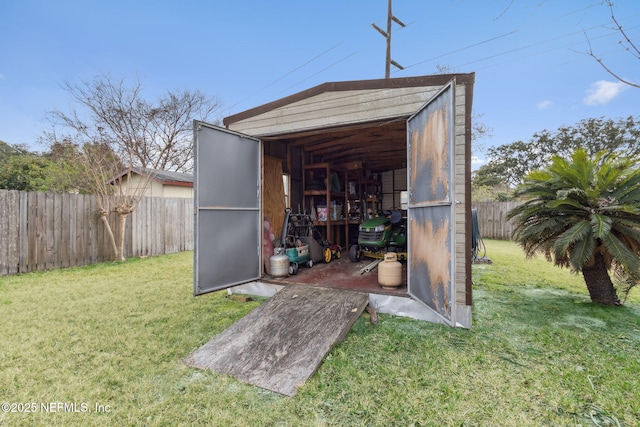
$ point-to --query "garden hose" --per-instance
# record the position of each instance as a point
(477, 244)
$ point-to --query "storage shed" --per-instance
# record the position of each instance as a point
(375, 138)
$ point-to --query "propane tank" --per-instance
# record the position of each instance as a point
(390, 271)
(279, 263)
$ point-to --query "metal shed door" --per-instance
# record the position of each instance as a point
(228, 215)
(430, 146)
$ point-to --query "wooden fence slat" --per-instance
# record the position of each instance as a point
(40, 218)
(13, 247)
(49, 233)
(23, 217)
(158, 222)
(62, 231)
(4, 231)
(70, 219)
(32, 231)
(79, 227)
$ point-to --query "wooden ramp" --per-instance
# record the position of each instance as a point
(280, 344)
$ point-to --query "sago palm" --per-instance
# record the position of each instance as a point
(583, 213)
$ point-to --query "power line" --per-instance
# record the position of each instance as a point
(510, 33)
(522, 47)
(463, 48)
(566, 46)
(287, 74)
(324, 69)
(543, 42)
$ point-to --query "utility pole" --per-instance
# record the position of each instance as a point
(387, 35)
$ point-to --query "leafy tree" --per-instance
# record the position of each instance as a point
(511, 162)
(30, 172)
(22, 173)
(583, 213)
(8, 150)
(68, 157)
(486, 193)
(23, 170)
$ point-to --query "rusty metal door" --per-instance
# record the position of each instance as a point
(430, 146)
(228, 216)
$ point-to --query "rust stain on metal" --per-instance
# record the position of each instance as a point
(430, 250)
(430, 145)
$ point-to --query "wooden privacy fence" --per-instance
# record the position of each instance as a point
(44, 231)
(492, 219)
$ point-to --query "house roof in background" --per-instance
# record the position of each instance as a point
(165, 176)
(162, 177)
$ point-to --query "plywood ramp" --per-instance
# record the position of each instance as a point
(280, 344)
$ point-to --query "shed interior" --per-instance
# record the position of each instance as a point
(369, 161)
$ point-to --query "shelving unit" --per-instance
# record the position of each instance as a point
(367, 198)
(370, 192)
(320, 190)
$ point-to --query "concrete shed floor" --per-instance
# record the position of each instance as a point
(342, 274)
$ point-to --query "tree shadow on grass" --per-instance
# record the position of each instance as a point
(534, 306)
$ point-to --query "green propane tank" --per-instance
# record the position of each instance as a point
(390, 271)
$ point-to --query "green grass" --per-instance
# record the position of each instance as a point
(538, 353)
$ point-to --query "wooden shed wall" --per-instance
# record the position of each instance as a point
(462, 198)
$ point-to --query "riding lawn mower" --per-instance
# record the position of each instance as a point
(379, 235)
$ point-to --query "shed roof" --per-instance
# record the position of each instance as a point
(342, 122)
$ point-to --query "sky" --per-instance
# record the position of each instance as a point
(532, 70)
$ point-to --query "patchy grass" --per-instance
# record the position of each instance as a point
(512, 270)
(539, 353)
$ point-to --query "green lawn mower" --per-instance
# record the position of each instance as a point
(379, 235)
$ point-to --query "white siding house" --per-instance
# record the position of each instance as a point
(161, 183)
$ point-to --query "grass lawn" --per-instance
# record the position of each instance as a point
(114, 335)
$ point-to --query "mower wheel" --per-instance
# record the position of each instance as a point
(354, 253)
(296, 267)
(327, 254)
(338, 254)
(292, 269)
(310, 263)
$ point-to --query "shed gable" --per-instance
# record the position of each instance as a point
(342, 103)
(331, 109)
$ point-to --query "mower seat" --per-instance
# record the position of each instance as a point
(396, 218)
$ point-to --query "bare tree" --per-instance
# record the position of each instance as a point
(117, 131)
(626, 42)
(154, 135)
(102, 171)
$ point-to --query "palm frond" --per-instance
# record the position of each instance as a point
(620, 210)
(621, 253)
(625, 280)
(601, 225)
(579, 231)
(630, 230)
(567, 203)
(581, 253)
